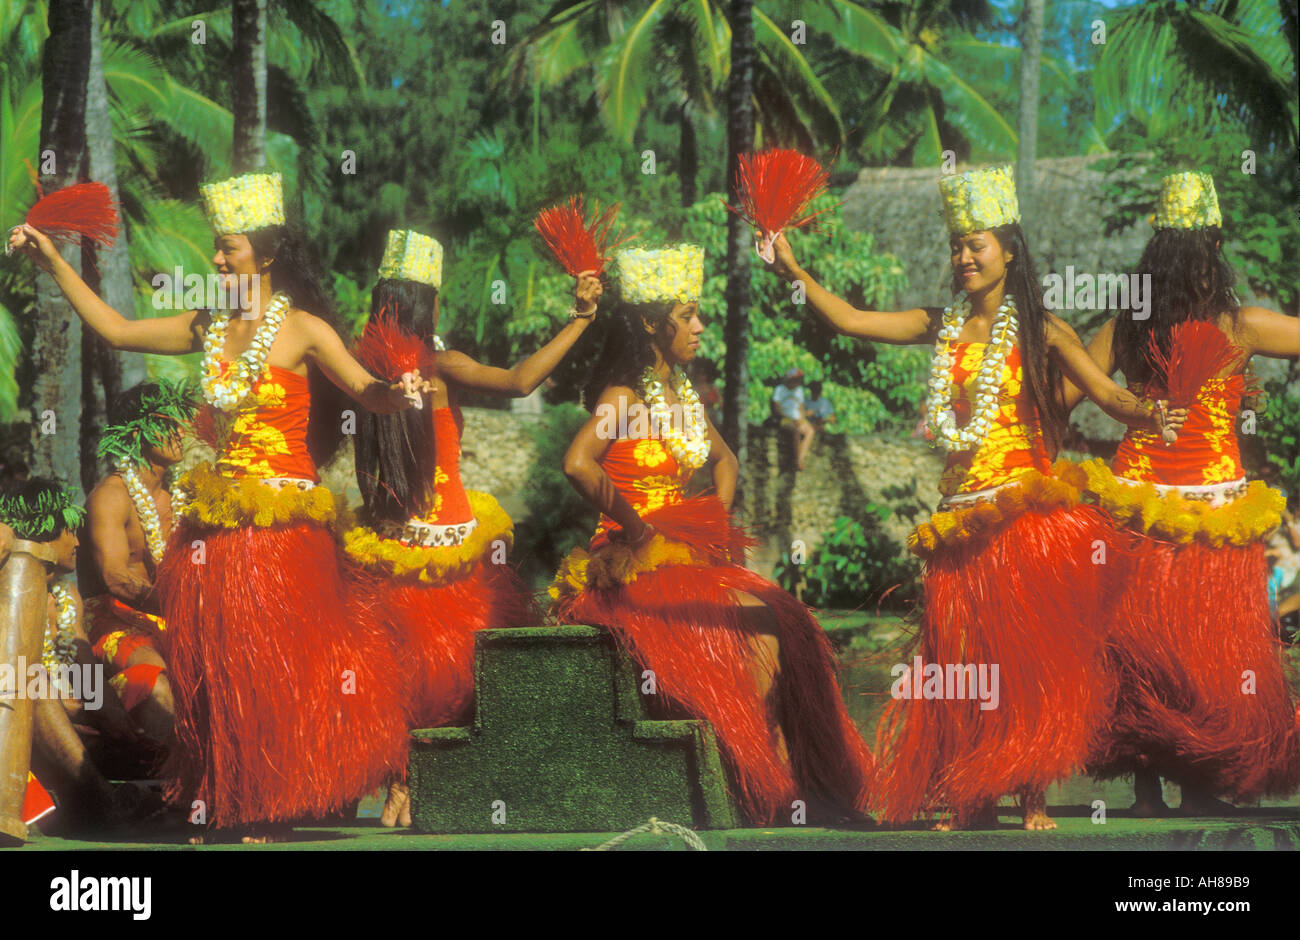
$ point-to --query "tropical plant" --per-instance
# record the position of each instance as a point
(854, 565)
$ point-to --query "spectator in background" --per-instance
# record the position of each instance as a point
(819, 409)
(788, 406)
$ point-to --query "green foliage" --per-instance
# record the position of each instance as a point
(559, 519)
(855, 564)
(1279, 428)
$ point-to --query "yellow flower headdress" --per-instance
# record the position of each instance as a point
(244, 203)
(647, 275)
(1187, 201)
(410, 256)
(979, 200)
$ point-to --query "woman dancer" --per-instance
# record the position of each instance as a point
(285, 708)
(664, 572)
(1203, 699)
(1013, 587)
(430, 561)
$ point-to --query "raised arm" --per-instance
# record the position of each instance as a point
(1075, 364)
(582, 461)
(1268, 333)
(326, 347)
(172, 335)
(1101, 350)
(918, 325)
(524, 377)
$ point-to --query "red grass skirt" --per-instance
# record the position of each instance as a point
(1192, 621)
(1030, 600)
(260, 648)
(433, 627)
(683, 622)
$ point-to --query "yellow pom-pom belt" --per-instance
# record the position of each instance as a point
(214, 501)
(438, 564)
(614, 564)
(980, 520)
(1174, 517)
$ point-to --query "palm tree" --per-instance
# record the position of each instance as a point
(683, 47)
(1031, 44)
(56, 349)
(1206, 64)
(740, 139)
(249, 67)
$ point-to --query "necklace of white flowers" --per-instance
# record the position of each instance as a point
(689, 445)
(227, 392)
(145, 508)
(61, 648)
(939, 415)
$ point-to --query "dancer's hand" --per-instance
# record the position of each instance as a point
(1171, 420)
(783, 264)
(34, 244)
(636, 540)
(586, 293)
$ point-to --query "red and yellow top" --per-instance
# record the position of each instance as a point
(450, 504)
(647, 475)
(1206, 450)
(1014, 443)
(266, 436)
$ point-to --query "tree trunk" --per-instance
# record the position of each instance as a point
(249, 20)
(1031, 48)
(56, 346)
(105, 371)
(740, 138)
(689, 159)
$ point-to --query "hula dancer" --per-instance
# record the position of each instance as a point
(430, 560)
(1202, 695)
(285, 708)
(1009, 581)
(665, 571)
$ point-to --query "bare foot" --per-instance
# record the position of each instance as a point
(397, 808)
(1035, 811)
(268, 835)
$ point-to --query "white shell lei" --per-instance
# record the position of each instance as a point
(690, 445)
(939, 415)
(60, 648)
(145, 508)
(226, 393)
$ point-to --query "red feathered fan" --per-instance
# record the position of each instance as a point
(577, 244)
(1198, 351)
(389, 351)
(775, 188)
(81, 210)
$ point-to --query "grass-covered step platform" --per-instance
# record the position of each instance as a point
(561, 742)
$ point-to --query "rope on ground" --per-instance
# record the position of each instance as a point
(658, 828)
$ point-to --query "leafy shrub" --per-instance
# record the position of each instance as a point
(855, 565)
(558, 518)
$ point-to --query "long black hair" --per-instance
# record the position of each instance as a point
(628, 349)
(395, 454)
(295, 271)
(1042, 383)
(1190, 279)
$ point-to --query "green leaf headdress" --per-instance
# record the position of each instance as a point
(41, 514)
(164, 406)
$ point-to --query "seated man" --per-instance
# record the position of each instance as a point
(130, 520)
(72, 692)
(820, 411)
(788, 406)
